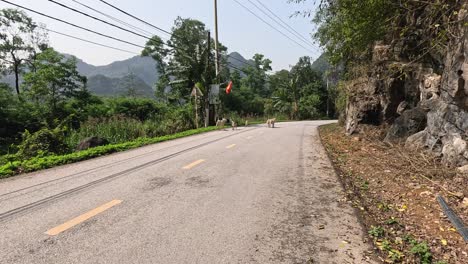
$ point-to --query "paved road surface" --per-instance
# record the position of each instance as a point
(255, 195)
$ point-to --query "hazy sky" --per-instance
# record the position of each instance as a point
(238, 29)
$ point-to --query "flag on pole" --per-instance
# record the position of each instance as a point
(229, 88)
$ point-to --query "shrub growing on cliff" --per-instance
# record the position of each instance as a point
(348, 27)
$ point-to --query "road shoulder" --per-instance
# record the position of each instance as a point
(315, 223)
(394, 190)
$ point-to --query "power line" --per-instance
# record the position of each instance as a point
(115, 19)
(229, 65)
(282, 21)
(160, 29)
(239, 60)
(71, 24)
(89, 41)
(108, 23)
(141, 20)
(279, 31)
(98, 19)
(98, 33)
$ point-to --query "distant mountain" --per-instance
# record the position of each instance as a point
(321, 64)
(105, 86)
(112, 79)
(109, 80)
(238, 61)
(330, 73)
(143, 67)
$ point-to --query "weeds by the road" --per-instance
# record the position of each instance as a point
(394, 190)
(13, 166)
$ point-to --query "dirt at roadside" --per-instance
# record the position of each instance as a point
(395, 190)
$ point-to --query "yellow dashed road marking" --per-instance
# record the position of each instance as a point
(193, 164)
(231, 146)
(75, 221)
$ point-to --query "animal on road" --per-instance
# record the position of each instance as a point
(271, 122)
(234, 125)
(220, 123)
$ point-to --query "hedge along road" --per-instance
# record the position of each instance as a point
(11, 168)
(256, 195)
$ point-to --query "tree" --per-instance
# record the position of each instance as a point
(183, 59)
(309, 82)
(20, 40)
(256, 77)
(55, 80)
(277, 79)
(282, 102)
(154, 48)
(299, 93)
(129, 84)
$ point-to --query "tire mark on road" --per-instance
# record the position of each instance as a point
(69, 177)
(36, 204)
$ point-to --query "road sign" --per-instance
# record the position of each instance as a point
(214, 94)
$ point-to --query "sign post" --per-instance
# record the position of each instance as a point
(196, 92)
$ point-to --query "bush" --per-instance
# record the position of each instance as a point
(179, 119)
(137, 108)
(116, 129)
(121, 128)
(309, 107)
(43, 142)
(44, 162)
(7, 158)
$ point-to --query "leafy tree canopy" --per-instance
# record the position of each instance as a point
(20, 41)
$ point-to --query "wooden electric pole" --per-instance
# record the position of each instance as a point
(216, 39)
(208, 81)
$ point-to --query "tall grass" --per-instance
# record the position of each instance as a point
(116, 129)
(119, 129)
(10, 165)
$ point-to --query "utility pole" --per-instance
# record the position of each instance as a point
(196, 107)
(216, 39)
(208, 82)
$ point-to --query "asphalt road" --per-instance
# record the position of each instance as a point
(255, 195)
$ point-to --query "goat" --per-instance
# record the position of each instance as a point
(221, 123)
(234, 125)
(271, 122)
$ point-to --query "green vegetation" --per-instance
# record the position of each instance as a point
(376, 231)
(52, 110)
(407, 32)
(14, 166)
(420, 250)
(348, 29)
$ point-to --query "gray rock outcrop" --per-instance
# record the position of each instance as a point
(426, 105)
(91, 142)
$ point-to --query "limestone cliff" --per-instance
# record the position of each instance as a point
(423, 102)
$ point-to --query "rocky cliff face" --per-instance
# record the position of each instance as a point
(425, 104)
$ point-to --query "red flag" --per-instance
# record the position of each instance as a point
(229, 87)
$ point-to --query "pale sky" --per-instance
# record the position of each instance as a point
(238, 29)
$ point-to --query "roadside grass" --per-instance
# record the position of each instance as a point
(12, 168)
